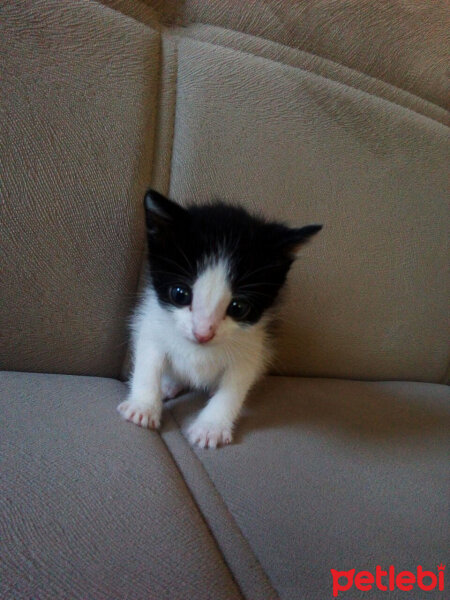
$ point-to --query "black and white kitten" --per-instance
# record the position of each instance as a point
(215, 273)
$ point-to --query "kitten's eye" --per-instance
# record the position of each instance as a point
(180, 295)
(238, 309)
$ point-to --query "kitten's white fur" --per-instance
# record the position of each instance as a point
(168, 358)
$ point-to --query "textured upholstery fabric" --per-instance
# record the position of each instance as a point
(403, 42)
(92, 507)
(369, 294)
(329, 474)
(315, 64)
(79, 85)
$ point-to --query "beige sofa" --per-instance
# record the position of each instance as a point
(315, 111)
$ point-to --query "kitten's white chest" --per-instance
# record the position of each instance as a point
(197, 366)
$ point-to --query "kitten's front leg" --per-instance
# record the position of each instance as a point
(214, 425)
(144, 404)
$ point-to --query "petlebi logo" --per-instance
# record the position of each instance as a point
(387, 580)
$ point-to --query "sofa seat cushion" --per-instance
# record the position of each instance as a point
(92, 507)
(332, 474)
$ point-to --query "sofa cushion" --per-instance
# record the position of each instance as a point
(369, 293)
(401, 42)
(331, 474)
(261, 46)
(79, 86)
(93, 507)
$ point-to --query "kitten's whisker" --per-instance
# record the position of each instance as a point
(189, 264)
(173, 262)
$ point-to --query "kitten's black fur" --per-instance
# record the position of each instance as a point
(259, 253)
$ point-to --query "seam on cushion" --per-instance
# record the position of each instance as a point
(151, 130)
(215, 500)
(319, 56)
(174, 116)
(153, 166)
(185, 35)
(200, 512)
(202, 516)
(155, 172)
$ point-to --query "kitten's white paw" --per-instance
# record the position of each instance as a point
(209, 435)
(140, 414)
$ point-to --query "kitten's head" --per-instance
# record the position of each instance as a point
(215, 267)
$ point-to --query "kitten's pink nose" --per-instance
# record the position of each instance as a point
(202, 339)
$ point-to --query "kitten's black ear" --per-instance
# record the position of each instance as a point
(294, 238)
(160, 212)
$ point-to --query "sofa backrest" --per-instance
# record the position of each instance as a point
(79, 89)
(104, 100)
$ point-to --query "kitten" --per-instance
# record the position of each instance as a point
(215, 273)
